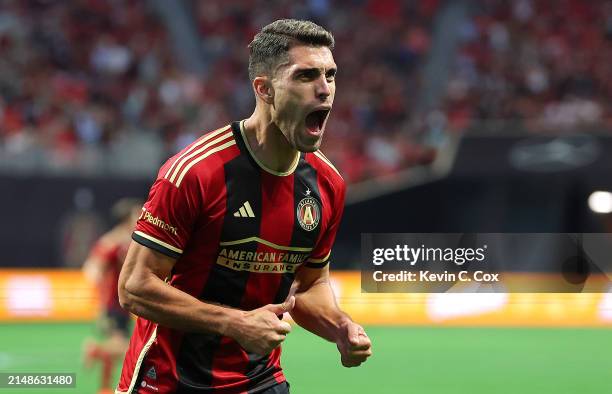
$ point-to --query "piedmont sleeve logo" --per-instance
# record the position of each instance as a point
(154, 220)
(308, 213)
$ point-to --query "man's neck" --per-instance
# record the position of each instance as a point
(268, 144)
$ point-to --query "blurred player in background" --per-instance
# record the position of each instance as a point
(238, 230)
(102, 267)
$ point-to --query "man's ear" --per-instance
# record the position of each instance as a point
(263, 89)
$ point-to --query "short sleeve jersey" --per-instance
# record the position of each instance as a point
(239, 232)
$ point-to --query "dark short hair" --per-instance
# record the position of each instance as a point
(270, 46)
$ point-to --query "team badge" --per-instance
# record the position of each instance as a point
(308, 213)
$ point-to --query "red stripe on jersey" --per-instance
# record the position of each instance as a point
(192, 275)
(277, 216)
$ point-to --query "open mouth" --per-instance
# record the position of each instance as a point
(315, 120)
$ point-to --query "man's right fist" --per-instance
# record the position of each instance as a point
(260, 330)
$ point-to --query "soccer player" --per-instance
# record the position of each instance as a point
(237, 230)
(102, 267)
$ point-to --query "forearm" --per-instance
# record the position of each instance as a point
(316, 310)
(157, 301)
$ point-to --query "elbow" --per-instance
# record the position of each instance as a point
(128, 295)
(126, 300)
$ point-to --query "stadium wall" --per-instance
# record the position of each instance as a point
(46, 217)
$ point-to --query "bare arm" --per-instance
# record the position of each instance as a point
(316, 308)
(317, 311)
(144, 292)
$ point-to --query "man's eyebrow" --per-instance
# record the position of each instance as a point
(306, 70)
(314, 69)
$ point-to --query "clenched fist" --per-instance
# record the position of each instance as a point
(354, 345)
(260, 330)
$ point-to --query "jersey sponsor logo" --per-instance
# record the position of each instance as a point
(154, 220)
(245, 211)
(263, 262)
(273, 268)
(308, 213)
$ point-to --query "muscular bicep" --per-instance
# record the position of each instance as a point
(143, 264)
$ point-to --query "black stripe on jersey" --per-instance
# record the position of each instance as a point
(305, 179)
(224, 285)
(242, 183)
(155, 246)
(194, 363)
(322, 264)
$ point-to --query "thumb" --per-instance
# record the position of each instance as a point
(353, 334)
(279, 309)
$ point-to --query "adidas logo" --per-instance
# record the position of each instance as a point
(245, 211)
(151, 374)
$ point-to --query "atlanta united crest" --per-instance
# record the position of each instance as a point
(308, 213)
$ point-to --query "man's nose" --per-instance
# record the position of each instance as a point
(323, 90)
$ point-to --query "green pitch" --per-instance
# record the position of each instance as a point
(406, 360)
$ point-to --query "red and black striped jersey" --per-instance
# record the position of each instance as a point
(239, 232)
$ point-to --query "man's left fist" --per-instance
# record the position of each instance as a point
(354, 345)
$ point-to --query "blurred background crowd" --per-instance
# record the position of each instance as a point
(101, 86)
(84, 82)
(542, 65)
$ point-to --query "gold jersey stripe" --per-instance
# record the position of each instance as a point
(195, 145)
(197, 152)
(143, 353)
(267, 243)
(159, 242)
(321, 156)
(202, 157)
(309, 260)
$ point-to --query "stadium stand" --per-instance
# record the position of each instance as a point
(535, 65)
(87, 79)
